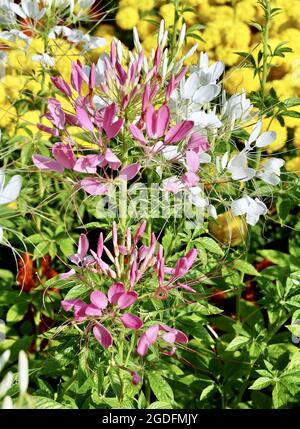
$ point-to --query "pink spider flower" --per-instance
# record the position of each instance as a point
(163, 332)
(105, 307)
(156, 124)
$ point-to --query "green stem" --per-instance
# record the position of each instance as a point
(174, 34)
(265, 42)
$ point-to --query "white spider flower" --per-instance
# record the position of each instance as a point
(253, 209)
(44, 59)
(270, 172)
(28, 9)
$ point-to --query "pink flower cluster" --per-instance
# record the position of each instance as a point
(110, 306)
(126, 102)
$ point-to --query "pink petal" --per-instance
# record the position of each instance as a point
(83, 245)
(163, 118)
(151, 122)
(114, 128)
(143, 345)
(179, 131)
(64, 154)
(103, 336)
(127, 299)
(76, 78)
(190, 179)
(68, 304)
(112, 160)
(130, 171)
(131, 321)
(192, 160)
(181, 337)
(64, 276)
(84, 119)
(45, 163)
(186, 287)
(92, 78)
(152, 333)
(135, 378)
(140, 231)
(198, 143)
(93, 186)
(99, 299)
(115, 291)
(109, 115)
(92, 310)
(62, 85)
(169, 337)
(48, 130)
(137, 134)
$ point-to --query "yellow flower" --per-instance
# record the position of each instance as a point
(64, 54)
(146, 5)
(145, 28)
(149, 43)
(293, 122)
(245, 10)
(167, 11)
(127, 18)
(103, 29)
(212, 37)
(228, 228)
(293, 165)
(125, 3)
(237, 79)
(8, 113)
(28, 121)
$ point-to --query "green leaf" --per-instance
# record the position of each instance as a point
(291, 102)
(280, 396)
(261, 383)
(211, 245)
(16, 312)
(66, 246)
(245, 268)
(291, 113)
(41, 250)
(159, 405)
(237, 343)
(207, 392)
(78, 291)
(41, 402)
(160, 387)
(283, 206)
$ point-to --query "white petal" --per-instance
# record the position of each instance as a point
(23, 372)
(4, 358)
(7, 403)
(206, 93)
(11, 191)
(1, 234)
(190, 86)
(216, 70)
(17, 10)
(6, 383)
(266, 138)
(239, 207)
(255, 131)
(212, 211)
